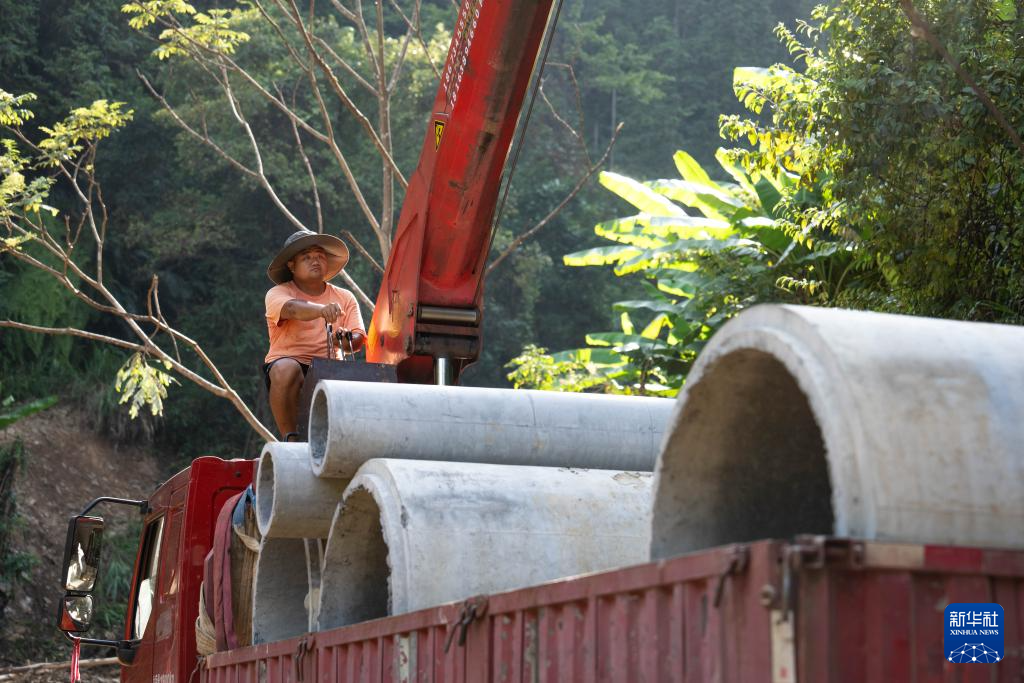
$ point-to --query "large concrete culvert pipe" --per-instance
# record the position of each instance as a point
(291, 501)
(805, 420)
(412, 534)
(352, 422)
(286, 590)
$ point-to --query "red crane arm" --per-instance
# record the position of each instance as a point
(429, 309)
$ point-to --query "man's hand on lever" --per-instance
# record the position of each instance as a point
(356, 338)
(330, 312)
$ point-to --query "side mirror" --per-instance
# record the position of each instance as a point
(82, 554)
(76, 613)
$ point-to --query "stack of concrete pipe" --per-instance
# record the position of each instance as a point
(409, 496)
(793, 421)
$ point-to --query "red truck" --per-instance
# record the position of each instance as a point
(810, 609)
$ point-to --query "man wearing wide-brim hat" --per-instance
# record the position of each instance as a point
(297, 310)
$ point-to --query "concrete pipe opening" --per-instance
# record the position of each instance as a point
(412, 534)
(291, 501)
(265, 502)
(882, 427)
(755, 463)
(357, 558)
(281, 591)
(319, 415)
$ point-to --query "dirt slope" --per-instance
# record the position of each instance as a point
(67, 465)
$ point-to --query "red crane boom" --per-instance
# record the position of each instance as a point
(428, 316)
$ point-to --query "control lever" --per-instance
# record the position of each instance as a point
(341, 336)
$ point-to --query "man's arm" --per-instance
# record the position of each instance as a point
(296, 309)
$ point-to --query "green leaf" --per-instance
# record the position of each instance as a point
(712, 201)
(627, 324)
(1006, 10)
(639, 195)
(8, 418)
(600, 256)
(645, 305)
(768, 194)
(737, 173)
(650, 232)
(653, 328)
(690, 169)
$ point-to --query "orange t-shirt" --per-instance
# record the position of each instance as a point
(305, 339)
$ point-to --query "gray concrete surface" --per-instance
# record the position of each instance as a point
(285, 591)
(807, 420)
(412, 534)
(291, 501)
(352, 422)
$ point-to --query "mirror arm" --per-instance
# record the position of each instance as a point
(143, 505)
(120, 644)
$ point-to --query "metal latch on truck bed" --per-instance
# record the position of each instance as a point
(736, 563)
(471, 609)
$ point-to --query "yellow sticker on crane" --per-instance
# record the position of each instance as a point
(438, 133)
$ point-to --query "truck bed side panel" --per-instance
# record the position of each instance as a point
(769, 612)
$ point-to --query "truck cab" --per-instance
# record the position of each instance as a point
(159, 644)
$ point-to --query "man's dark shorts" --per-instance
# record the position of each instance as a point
(267, 366)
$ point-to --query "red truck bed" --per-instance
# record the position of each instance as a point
(855, 612)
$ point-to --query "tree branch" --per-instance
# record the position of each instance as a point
(73, 332)
(309, 170)
(920, 27)
(264, 181)
(339, 91)
(558, 209)
(202, 137)
(362, 250)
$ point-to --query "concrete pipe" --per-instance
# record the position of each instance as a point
(411, 534)
(806, 420)
(292, 502)
(352, 422)
(286, 589)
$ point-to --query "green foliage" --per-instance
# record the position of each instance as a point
(11, 413)
(15, 565)
(537, 370)
(12, 108)
(910, 162)
(143, 385)
(699, 270)
(84, 124)
(211, 32)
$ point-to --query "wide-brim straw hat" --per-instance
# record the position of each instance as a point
(337, 254)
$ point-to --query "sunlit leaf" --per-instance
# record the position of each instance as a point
(639, 195)
(600, 256)
(690, 170)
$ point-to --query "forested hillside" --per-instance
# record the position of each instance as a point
(178, 209)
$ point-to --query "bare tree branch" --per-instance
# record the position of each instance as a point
(565, 124)
(339, 91)
(415, 27)
(362, 250)
(309, 170)
(261, 175)
(594, 168)
(73, 332)
(202, 137)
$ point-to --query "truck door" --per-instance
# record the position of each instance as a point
(165, 610)
(140, 610)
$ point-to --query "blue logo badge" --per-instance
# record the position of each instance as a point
(974, 633)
